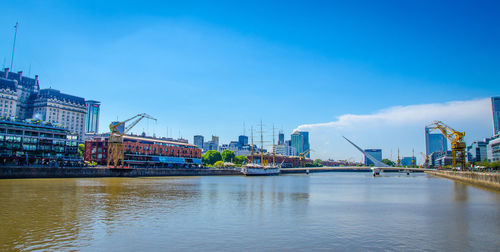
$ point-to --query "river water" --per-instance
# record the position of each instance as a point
(321, 211)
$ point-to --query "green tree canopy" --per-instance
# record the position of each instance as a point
(240, 159)
(388, 162)
(219, 164)
(81, 149)
(228, 156)
(210, 157)
(317, 163)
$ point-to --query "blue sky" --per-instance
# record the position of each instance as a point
(205, 67)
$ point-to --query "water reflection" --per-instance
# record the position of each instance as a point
(348, 211)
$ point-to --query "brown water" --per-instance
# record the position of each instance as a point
(324, 211)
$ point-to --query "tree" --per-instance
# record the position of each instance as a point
(219, 164)
(240, 159)
(81, 149)
(388, 162)
(210, 157)
(228, 156)
(317, 163)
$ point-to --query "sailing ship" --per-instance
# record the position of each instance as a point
(261, 169)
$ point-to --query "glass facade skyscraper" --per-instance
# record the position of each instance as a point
(434, 142)
(92, 120)
(375, 153)
(495, 107)
(300, 141)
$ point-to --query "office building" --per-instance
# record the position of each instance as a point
(300, 141)
(281, 138)
(215, 140)
(242, 140)
(92, 119)
(408, 161)
(477, 151)
(306, 147)
(375, 153)
(198, 141)
(434, 142)
(493, 149)
(285, 150)
(297, 142)
(495, 107)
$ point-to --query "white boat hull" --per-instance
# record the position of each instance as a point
(257, 171)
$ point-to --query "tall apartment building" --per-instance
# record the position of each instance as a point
(495, 107)
(92, 119)
(22, 97)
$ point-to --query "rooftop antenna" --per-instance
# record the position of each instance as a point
(14, 47)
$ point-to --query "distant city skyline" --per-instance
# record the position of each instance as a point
(207, 68)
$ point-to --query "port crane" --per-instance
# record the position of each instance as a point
(302, 157)
(115, 140)
(426, 160)
(456, 139)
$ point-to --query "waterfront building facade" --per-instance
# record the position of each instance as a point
(495, 107)
(434, 142)
(21, 97)
(57, 108)
(146, 152)
(375, 153)
(31, 142)
(92, 119)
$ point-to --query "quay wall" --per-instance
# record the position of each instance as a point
(489, 180)
(86, 172)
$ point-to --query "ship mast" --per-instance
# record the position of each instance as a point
(274, 149)
(261, 145)
(251, 147)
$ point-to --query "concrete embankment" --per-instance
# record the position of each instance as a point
(85, 172)
(489, 180)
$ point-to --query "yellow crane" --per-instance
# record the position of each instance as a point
(302, 157)
(115, 140)
(426, 158)
(456, 139)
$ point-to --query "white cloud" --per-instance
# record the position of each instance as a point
(397, 127)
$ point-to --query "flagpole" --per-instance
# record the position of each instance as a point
(13, 48)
